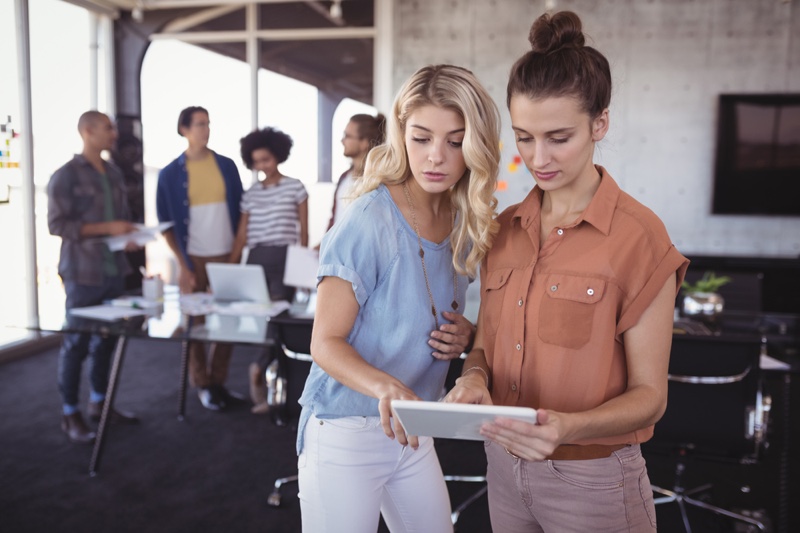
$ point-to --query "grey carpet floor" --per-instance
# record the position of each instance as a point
(211, 472)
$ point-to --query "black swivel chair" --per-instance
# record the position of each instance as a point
(471, 450)
(286, 377)
(716, 411)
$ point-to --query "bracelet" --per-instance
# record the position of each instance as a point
(485, 375)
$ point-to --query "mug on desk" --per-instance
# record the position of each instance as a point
(153, 288)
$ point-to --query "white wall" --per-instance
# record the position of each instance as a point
(669, 59)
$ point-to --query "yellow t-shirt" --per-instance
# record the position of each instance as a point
(210, 231)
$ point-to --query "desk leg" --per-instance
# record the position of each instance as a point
(111, 391)
(185, 345)
(784, 479)
(184, 373)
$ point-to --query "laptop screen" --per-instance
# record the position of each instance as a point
(237, 283)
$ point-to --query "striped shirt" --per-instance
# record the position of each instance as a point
(273, 212)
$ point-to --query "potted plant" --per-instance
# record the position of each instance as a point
(701, 300)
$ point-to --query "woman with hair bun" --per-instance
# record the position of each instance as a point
(393, 277)
(576, 310)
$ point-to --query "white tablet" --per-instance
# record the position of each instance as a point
(453, 420)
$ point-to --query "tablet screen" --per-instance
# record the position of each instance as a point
(453, 420)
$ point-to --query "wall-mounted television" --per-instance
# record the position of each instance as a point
(757, 170)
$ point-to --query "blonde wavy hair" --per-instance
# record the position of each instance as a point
(457, 89)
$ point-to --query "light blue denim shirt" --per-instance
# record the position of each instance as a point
(376, 250)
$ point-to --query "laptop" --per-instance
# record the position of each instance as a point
(231, 283)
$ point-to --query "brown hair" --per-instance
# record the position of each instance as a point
(371, 128)
(559, 64)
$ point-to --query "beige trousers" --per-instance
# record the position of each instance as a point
(213, 370)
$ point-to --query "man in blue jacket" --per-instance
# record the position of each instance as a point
(199, 192)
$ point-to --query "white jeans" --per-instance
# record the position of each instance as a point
(350, 472)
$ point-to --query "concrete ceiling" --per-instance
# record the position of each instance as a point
(304, 40)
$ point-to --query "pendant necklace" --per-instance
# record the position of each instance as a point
(454, 303)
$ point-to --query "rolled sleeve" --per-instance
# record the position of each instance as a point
(347, 274)
(361, 249)
(60, 207)
(671, 262)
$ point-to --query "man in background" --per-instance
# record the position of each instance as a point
(199, 192)
(362, 133)
(87, 200)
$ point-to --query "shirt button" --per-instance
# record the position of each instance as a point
(520, 302)
(560, 231)
(185, 202)
(519, 346)
(554, 288)
(514, 387)
(590, 292)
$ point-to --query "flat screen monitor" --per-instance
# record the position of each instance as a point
(757, 169)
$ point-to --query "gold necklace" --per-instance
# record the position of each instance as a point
(454, 303)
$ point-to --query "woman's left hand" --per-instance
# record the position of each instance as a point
(451, 340)
(532, 442)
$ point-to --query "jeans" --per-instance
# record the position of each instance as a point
(611, 494)
(76, 346)
(350, 472)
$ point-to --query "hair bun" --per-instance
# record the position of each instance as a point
(550, 33)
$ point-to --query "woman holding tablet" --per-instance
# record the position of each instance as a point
(576, 310)
(393, 278)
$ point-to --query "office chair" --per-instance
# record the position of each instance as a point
(286, 377)
(716, 410)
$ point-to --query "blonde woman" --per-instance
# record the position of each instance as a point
(392, 282)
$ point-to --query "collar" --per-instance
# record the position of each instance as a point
(81, 160)
(182, 157)
(599, 213)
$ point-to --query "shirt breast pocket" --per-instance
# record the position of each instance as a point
(82, 199)
(568, 309)
(493, 293)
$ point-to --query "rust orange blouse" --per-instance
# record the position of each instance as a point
(552, 319)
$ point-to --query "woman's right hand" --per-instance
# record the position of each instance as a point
(470, 388)
(186, 281)
(392, 389)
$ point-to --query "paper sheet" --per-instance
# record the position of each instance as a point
(140, 237)
(301, 267)
(252, 308)
(136, 302)
(107, 313)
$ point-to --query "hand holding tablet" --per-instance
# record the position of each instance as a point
(453, 420)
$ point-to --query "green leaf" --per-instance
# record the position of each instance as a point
(710, 282)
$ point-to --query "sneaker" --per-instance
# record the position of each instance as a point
(229, 398)
(260, 408)
(95, 409)
(76, 429)
(211, 399)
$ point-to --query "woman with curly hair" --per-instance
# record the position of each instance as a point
(393, 277)
(274, 214)
(274, 210)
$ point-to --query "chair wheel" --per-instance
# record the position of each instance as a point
(274, 499)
